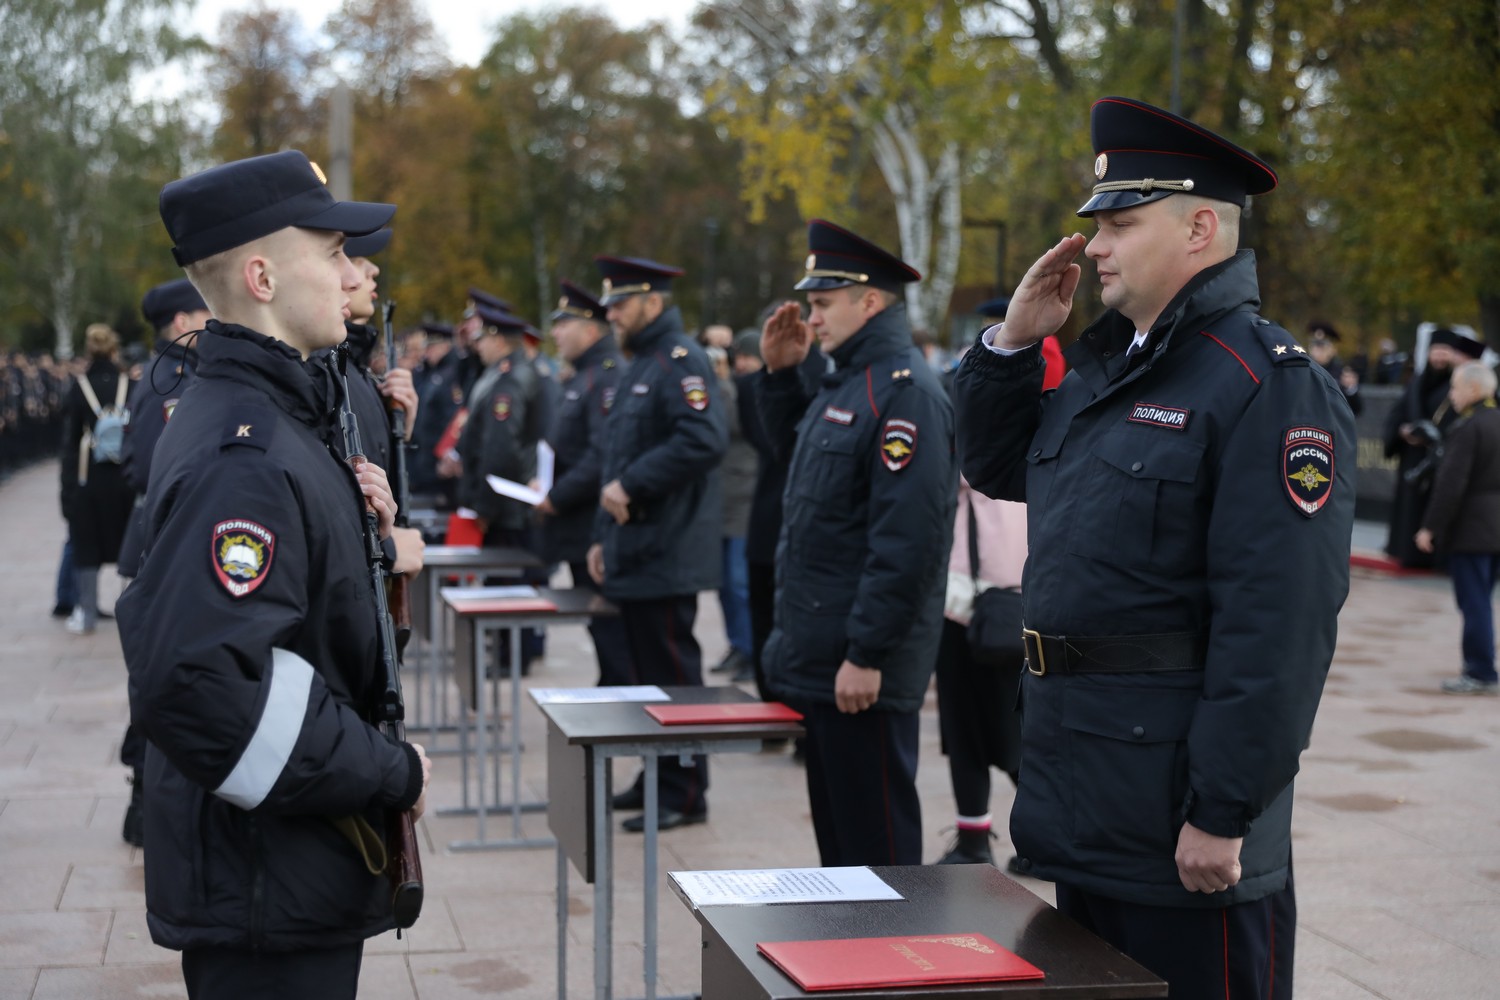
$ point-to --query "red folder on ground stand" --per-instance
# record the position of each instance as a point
(725, 713)
(854, 963)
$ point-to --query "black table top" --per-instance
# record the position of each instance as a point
(627, 722)
(576, 601)
(939, 899)
(461, 556)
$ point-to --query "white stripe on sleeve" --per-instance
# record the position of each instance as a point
(280, 724)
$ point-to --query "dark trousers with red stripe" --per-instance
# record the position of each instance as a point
(608, 632)
(1239, 952)
(664, 651)
(862, 785)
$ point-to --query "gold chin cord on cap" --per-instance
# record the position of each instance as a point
(1145, 185)
(858, 279)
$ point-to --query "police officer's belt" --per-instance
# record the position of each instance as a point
(1113, 654)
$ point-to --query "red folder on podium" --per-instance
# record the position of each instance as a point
(856, 963)
(732, 712)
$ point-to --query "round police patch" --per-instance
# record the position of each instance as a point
(1307, 468)
(694, 391)
(502, 407)
(242, 553)
(898, 443)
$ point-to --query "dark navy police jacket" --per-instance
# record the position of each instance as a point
(867, 519)
(250, 637)
(665, 436)
(1209, 490)
(577, 439)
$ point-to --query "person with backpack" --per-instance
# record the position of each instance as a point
(96, 499)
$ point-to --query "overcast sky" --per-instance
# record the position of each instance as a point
(464, 24)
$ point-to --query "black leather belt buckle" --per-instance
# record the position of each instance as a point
(1036, 660)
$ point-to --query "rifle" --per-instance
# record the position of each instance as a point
(403, 863)
(400, 483)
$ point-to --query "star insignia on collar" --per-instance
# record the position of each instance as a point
(1300, 349)
(901, 373)
(679, 352)
(1280, 348)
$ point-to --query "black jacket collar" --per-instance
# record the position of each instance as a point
(886, 333)
(596, 354)
(645, 340)
(238, 354)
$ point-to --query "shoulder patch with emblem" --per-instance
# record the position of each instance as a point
(694, 391)
(167, 409)
(501, 409)
(242, 552)
(607, 398)
(458, 395)
(1171, 417)
(1307, 468)
(898, 443)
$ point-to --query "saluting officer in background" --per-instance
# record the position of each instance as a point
(657, 533)
(1190, 496)
(250, 632)
(860, 569)
(576, 435)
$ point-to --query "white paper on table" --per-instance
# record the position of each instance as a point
(753, 886)
(545, 463)
(598, 695)
(489, 593)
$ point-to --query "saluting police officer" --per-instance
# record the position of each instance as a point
(250, 632)
(1190, 495)
(576, 435)
(861, 566)
(657, 533)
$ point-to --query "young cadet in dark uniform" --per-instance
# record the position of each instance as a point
(1190, 491)
(440, 394)
(656, 537)
(176, 312)
(576, 435)
(862, 561)
(250, 632)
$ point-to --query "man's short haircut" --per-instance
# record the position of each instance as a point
(1228, 213)
(1478, 375)
(887, 298)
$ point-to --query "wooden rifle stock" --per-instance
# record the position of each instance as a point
(403, 860)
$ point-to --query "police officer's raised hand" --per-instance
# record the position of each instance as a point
(595, 560)
(421, 805)
(785, 339)
(377, 491)
(615, 501)
(1045, 296)
(1206, 863)
(397, 387)
(855, 688)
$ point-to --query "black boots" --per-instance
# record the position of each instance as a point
(970, 847)
(134, 813)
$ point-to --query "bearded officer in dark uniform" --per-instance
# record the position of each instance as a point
(576, 435)
(862, 561)
(1190, 492)
(656, 537)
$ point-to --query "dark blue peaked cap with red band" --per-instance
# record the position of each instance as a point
(1144, 154)
(633, 276)
(577, 304)
(837, 258)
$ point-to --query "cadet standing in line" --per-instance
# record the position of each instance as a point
(576, 435)
(657, 533)
(176, 312)
(250, 632)
(440, 394)
(864, 542)
(1190, 497)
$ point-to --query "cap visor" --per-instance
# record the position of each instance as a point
(367, 245)
(352, 218)
(821, 284)
(1110, 201)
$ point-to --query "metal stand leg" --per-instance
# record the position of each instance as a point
(481, 695)
(603, 880)
(652, 791)
(562, 924)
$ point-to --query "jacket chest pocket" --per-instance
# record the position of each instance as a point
(828, 462)
(1041, 463)
(1140, 506)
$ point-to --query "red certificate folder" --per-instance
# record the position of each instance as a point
(868, 963)
(701, 715)
(500, 605)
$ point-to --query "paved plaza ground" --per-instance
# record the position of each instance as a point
(1396, 828)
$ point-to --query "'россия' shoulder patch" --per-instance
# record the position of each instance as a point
(242, 552)
(1307, 468)
(695, 392)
